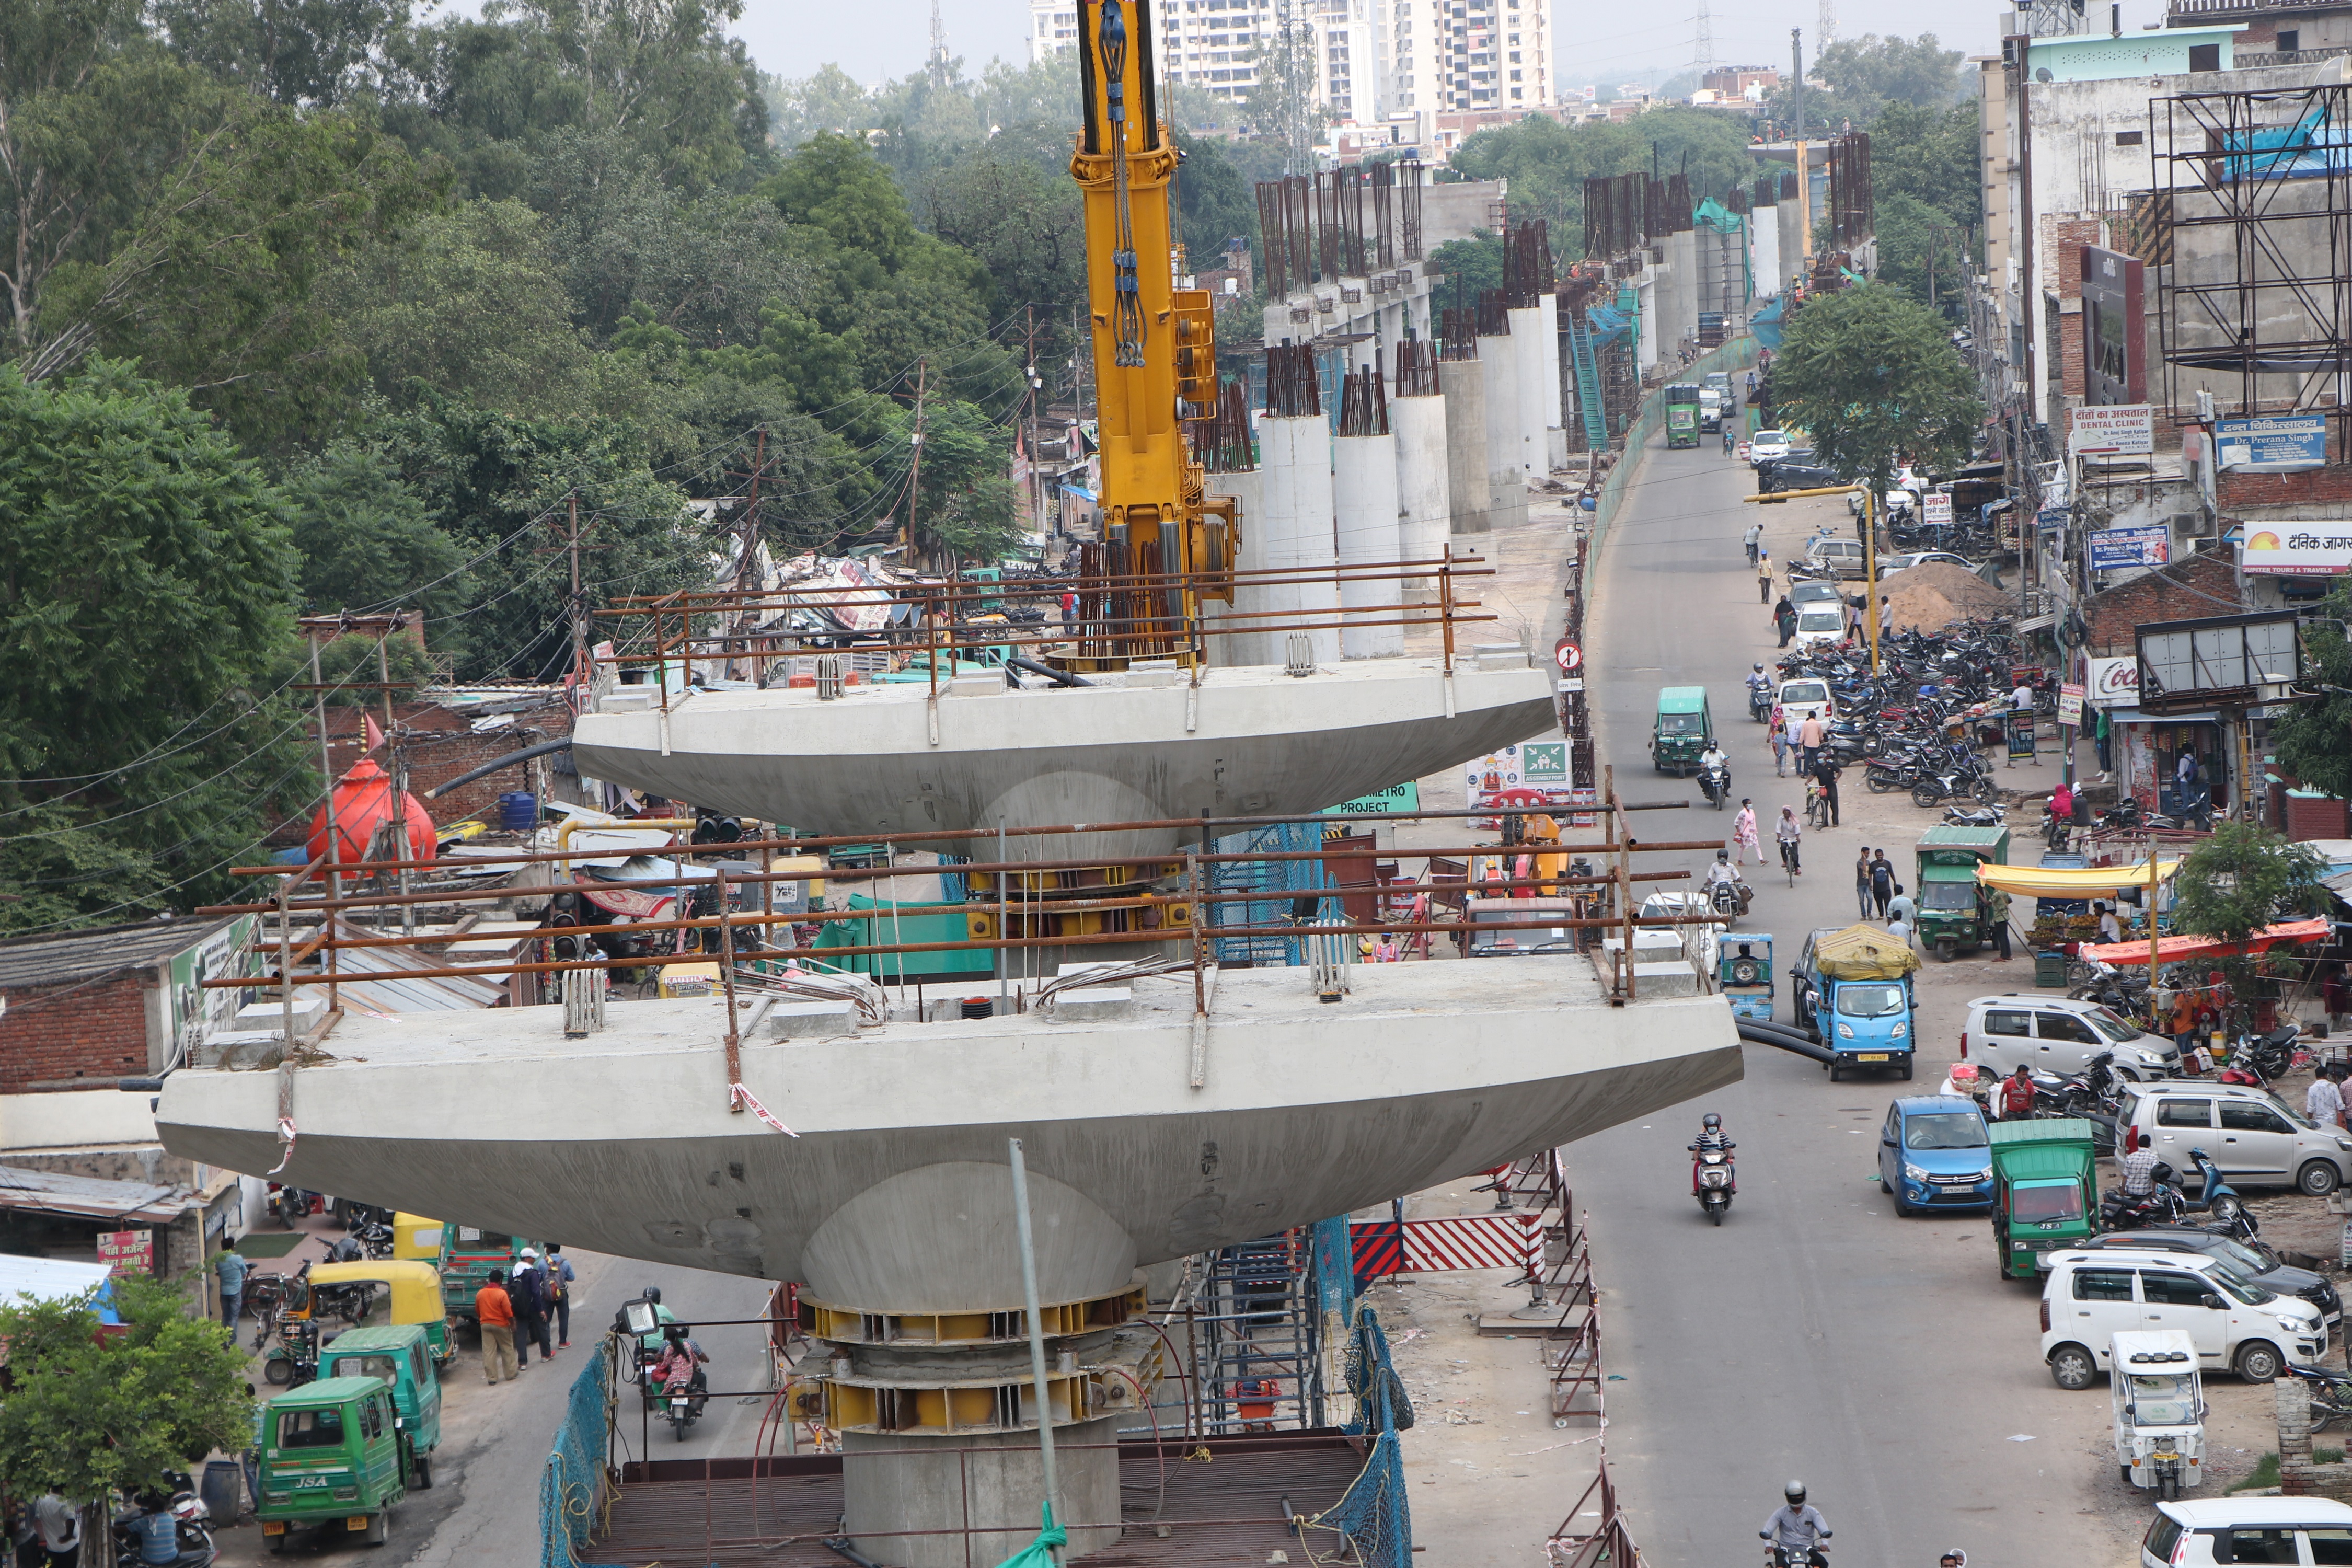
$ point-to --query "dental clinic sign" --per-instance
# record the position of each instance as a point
(2297, 548)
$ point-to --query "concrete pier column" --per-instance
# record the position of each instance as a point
(1299, 529)
(1247, 489)
(1793, 240)
(1469, 492)
(1554, 392)
(1425, 505)
(1506, 474)
(1684, 251)
(1537, 360)
(1364, 499)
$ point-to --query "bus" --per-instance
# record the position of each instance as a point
(1682, 415)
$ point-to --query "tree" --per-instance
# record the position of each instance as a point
(1914, 240)
(1862, 77)
(2242, 878)
(309, 53)
(1872, 377)
(2314, 742)
(1930, 155)
(366, 539)
(1474, 264)
(1282, 109)
(1546, 163)
(147, 589)
(87, 1417)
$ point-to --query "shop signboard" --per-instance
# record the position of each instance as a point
(2118, 549)
(1936, 506)
(1537, 765)
(2297, 548)
(2120, 430)
(2070, 706)
(2283, 445)
(1397, 798)
(2114, 338)
(2113, 683)
(127, 1251)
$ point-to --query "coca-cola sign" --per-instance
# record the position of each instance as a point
(2114, 683)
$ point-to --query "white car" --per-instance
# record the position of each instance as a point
(2237, 1325)
(1768, 446)
(1820, 623)
(2251, 1134)
(1807, 698)
(2247, 1530)
(1890, 565)
(1701, 943)
(2056, 1033)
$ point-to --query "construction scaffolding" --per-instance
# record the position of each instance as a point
(1320, 228)
(1853, 216)
(2254, 230)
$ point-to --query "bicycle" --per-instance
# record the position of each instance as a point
(1817, 803)
(1789, 859)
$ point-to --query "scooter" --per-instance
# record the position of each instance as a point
(1715, 1181)
(176, 1533)
(2216, 1197)
(1975, 816)
(682, 1407)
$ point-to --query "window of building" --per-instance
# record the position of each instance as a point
(2290, 39)
(2129, 138)
(2204, 57)
(1514, 92)
(1514, 75)
(1515, 60)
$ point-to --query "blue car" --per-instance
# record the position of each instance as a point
(1933, 1153)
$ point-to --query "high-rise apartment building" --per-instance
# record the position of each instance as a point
(1374, 59)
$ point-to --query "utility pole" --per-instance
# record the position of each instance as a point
(915, 476)
(571, 540)
(1037, 482)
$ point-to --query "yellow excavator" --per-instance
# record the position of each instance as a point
(1166, 546)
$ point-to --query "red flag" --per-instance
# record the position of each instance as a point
(372, 731)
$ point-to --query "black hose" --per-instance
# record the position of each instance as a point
(510, 760)
(1059, 677)
(1762, 1034)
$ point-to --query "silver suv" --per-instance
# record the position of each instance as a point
(2056, 1033)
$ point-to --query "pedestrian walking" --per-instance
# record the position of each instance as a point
(1809, 737)
(1882, 881)
(1784, 615)
(1753, 538)
(1997, 911)
(2323, 1100)
(1827, 771)
(1763, 576)
(559, 1281)
(25, 1538)
(231, 1268)
(527, 1291)
(1790, 833)
(1778, 741)
(1743, 834)
(1902, 906)
(1792, 725)
(494, 1309)
(1900, 930)
(1862, 883)
(59, 1524)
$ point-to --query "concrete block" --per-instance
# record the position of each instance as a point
(1091, 1003)
(1652, 980)
(627, 699)
(270, 1017)
(815, 1020)
(242, 1050)
(989, 685)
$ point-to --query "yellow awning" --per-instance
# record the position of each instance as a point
(2051, 882)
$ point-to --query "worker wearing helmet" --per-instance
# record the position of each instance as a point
(1796, 1531)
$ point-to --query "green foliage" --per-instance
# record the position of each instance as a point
(1548, 163)
(86, 1418)
(295, 52)
(1474, 263)
(1214, 203)
(1025, 226)
(1909, 244)
(1865, 76)
(366, 539)
(2244, 877)
(1929, 155)
(2313, 741)
(1873, 378)
(1283, 113)
(146, 598)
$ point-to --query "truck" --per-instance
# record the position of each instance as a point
(1955, 909)
(2045, 1194)
(1682, 414)
(1851, 991)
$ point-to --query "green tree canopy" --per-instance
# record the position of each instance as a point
(1873, 377)
(86, 1417)
(2313, 741)
(1548, 163)
(1865, 76)
(1930, 155)
(147, 589)
(2244, 877)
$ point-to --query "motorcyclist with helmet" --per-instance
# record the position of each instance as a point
(1796, 1531)
(1759, 692)
(1715, 772)
(1724, 873)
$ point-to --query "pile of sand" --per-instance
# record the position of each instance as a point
(1930, 597)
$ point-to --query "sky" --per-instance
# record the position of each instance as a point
(875, 39)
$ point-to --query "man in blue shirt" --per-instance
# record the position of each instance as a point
(232, 1268)
(1796, 1531)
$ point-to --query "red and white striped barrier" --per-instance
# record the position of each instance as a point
(1513, 1241)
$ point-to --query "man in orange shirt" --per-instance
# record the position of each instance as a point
(496, 1311)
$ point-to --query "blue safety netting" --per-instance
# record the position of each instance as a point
(1373, 1514)
(1282, 881)
(572, 1484)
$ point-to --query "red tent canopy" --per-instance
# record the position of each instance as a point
(2170, 947)
(364, 797)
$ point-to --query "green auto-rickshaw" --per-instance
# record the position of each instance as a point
(399, 1357)
(1955, 910)
(1682, 731)
(334, 1454)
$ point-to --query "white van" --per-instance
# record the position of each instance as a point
(2251, 1134)
(2236, 1324)
(2248, 1529)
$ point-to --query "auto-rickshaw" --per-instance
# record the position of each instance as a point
(1682, 731)
(468, 1255)
(2159, 1410)
(401, 1358)
(415, 1238)
(2045, 1194)
(1955, 910)
(334, 1454)
(1744, 972)
(415, 1289)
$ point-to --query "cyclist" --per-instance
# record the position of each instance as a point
(1789, 831)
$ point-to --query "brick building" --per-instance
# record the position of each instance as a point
(2146, 748)
(91, 1007)
(442, 740)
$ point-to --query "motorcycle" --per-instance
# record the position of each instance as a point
(1760, 704)
(1715, 783)
(294, 1359)
(1729, 900)
(2331, 1394)
(172, 1532)
(681, 1406)
(1976, 816)
(2160, 1207)
(1715, 1181)
(2256, 1059)
(1955, 785)
(292, 1205)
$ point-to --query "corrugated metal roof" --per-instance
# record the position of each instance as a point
(37, 960)
(389, 985)
(52, 1192)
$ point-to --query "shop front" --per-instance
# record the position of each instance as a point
(2149, 752)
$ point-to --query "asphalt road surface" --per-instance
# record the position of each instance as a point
(1813, 1334)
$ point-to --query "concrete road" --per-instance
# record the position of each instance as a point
(484, 1505)
(1813, 1335)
